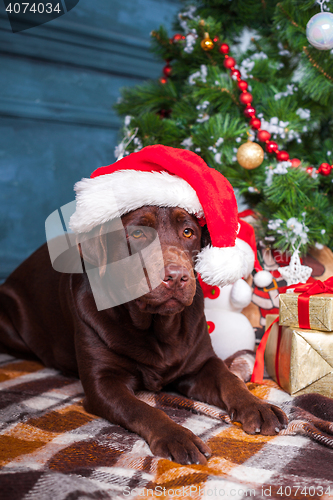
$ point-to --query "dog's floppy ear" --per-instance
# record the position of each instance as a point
(205, 237)
(93, 249)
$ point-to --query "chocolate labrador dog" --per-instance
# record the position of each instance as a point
(158, 340)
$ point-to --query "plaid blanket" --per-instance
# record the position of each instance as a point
(51, 449)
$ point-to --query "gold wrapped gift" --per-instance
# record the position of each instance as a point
(320, 311)
(300, 361)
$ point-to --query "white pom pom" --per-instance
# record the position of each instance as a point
(262, 279)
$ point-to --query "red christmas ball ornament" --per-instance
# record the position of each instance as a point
(242, 85)
(216, 39)
(229, 62)
(167, 70)
(272, 147)
(177, 37)
(246, 98)
(249, 111)
(264, 135)
(282, 156)
(309, 170)
(255, 123)
(295, 162)
(224, 48)
(325, 169)
(236, 73)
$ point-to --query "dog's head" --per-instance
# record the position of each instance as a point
(159, 244)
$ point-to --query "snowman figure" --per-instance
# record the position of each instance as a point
(229, 329)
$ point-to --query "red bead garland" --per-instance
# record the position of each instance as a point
(242, 85)
(282, 156)
(245, 97)
(235, 72)
(249, 112)
(263, 135)
(167, 70)
(272, 147)
(229, 62)
(177, 37)
(325, 169)
(295, 162)
(224, 48)
(255, 123)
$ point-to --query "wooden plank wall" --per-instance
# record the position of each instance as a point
(58, 83)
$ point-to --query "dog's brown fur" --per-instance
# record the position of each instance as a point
(156, 341)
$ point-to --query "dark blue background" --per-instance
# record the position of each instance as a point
(58, 83)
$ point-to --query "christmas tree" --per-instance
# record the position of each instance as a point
(243, 87)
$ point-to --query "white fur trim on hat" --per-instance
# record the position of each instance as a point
(103, 198)
(221, 266)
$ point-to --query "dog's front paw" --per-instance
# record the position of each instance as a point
(256, 416)
(180, 445)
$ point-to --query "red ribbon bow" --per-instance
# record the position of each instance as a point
(305, 290)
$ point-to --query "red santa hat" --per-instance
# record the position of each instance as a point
(167, 177)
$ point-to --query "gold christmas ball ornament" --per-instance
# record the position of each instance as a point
(250, 155)
(207, 43)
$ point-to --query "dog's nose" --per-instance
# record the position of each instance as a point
(176, 276)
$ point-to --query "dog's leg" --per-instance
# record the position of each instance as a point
(215, 384)
(165, 438)
(109, 393)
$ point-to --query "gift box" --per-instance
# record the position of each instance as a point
(299, 360)
(310, 306)
(320, 311)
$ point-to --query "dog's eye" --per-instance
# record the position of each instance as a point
(188, 232)
(137, 233)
